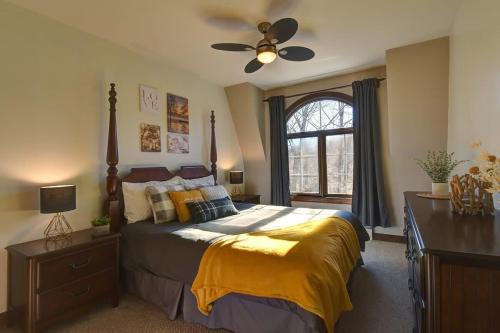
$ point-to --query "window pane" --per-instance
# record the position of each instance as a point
(303, 165)
(339, 163)
(320, 115)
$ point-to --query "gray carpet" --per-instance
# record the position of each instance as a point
(379, 295)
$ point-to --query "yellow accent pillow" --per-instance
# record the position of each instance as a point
(180, 198)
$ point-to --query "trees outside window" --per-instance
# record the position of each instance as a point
(320, 145)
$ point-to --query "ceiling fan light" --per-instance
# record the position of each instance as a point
(266, 57)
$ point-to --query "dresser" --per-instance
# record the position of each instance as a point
(453, 268)
(51, 281)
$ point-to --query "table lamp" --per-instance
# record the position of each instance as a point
(235, 178)
(57, 199)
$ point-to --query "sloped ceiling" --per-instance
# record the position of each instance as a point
(345, 34)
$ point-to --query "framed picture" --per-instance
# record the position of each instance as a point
(178, 143)
(177, 114)
(149, 99)
(150, 138)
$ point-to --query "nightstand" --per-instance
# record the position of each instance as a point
(50, 281)
(246, 198)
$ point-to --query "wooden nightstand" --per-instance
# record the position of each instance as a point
(246, 198)
(49, 281)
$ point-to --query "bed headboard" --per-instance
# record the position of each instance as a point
(114, 206)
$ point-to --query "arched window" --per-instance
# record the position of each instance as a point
(320, 145)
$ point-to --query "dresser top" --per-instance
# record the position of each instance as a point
(441, 230)
(77, 240)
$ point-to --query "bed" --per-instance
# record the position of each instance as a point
(160, 261)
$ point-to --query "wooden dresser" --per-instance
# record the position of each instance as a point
(453, 268)
(49, 281)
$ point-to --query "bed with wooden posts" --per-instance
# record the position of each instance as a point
(161, 262)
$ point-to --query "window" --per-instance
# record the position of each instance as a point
(320, 145)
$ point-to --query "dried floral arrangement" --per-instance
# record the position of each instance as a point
(438, 165)
(487, 168)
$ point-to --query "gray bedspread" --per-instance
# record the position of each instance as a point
(162, 260)
(174, 250)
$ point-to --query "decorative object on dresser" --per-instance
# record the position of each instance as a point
(47, 284)
(469, 196)
(438, 165)
(57, 199)
(246, 198)
(150, 138)
(487, 169)
(235, 178)
(454, 267)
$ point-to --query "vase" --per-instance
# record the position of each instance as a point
(100, 230)
(440, 188)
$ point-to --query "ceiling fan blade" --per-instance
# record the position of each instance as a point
(232, 47)
(296, 53)
(253, 66)
(282, 30)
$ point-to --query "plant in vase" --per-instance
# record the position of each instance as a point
(100, 225)
(487, 169)
(438, 165)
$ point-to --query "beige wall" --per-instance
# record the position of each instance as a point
(328, 83)
(245, 102)
(53, 119)
(417, 88)
(474, 112)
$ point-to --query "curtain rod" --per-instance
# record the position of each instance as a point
(321, 90)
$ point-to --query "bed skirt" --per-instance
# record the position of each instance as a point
(235, 312)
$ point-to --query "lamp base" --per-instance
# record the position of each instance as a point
(235, 190)
(58, 228)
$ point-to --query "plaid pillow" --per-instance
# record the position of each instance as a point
(204, 211)
(163, 208)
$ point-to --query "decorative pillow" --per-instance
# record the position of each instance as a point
(180, 199)
(136, 202)
(191, 184)
(203, 211)
(163, 208)
(214, 192)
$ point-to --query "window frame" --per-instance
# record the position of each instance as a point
(323, 195)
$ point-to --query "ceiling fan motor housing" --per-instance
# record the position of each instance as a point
(265, 46)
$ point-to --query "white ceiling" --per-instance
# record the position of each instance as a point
(345, 34)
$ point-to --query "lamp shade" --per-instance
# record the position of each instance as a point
(57, 199)
(235, 177)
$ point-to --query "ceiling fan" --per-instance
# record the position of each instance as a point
(266, 49)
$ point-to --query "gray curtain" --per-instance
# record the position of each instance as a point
(368, 200)
(280, 183)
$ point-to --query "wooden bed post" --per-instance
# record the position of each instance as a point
(213, 147)
(111, 206)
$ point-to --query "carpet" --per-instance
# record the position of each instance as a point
(379, 294)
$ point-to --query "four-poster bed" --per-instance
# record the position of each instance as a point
(161, 261)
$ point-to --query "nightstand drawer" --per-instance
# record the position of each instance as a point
(75, 294)
(70, 267)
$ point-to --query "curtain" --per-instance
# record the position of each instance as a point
(368, 200)
(280, 183)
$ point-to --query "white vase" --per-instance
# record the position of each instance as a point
(440, 188)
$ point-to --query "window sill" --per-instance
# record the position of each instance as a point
(330, 200)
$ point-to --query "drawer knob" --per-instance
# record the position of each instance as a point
(80, 293)
(80, 265)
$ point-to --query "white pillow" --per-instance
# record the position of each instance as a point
(191, 184)
(137, 207)
(213, 192)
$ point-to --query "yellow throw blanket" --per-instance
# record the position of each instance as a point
(308, 264)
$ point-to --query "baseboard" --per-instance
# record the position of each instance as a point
(3, 319)
(388, 238)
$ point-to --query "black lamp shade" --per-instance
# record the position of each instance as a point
(57, 199)
(235, 177)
